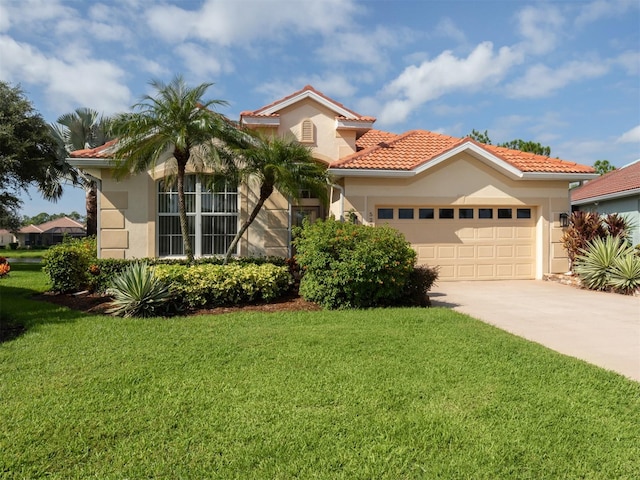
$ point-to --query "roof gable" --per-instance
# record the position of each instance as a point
(59, 224)
(308, 92)
(417, 150)
(618, 183)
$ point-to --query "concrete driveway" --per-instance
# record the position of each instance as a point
(601, 328)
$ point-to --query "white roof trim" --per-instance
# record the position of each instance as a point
(353, 124)
(365, 172)
(263, 121)
(314, 96)
(90, 162)
(571, 177)
(608, 196)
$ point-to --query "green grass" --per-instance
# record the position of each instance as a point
(38, 253)
(397, 393)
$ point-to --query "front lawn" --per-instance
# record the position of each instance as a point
(394, 393)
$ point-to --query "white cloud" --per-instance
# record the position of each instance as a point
(5, 18)
(630, 136)
(69, 83)
(225, 23)
(333, 85)
(448, 29)
(630, 61)
(541, 81)
(201, 61)
(540, 27)
(446, 74)
(594, 11)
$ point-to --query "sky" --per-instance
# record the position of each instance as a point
(562, 73)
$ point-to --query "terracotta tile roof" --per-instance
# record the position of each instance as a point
(59, 224)
(307, 88)
(417, 147)
(617, 182)
(374, 137)
(103, 151)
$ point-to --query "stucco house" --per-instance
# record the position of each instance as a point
(50, 233)
(6, 237)
(615, 192)
(478, 211)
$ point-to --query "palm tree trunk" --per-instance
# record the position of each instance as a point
(91, 203)
(265, 192)
(182, 211)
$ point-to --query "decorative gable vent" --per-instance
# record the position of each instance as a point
(307, 131)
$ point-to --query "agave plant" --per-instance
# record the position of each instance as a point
(625, 273)
(594, 264)
(137, 292)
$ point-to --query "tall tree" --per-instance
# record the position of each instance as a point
(175, 121)
(83, 128)
(517, 144)
(277, 163)
(603, 166)
(27, 153)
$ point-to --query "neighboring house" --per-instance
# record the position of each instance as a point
(50, 233)
(478, 211)
(6, 237)
(614, 192)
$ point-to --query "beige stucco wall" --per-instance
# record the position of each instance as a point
(464, 180)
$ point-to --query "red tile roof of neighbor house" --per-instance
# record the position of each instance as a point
(307, 88)
(103, 151)
(625, 179)
(386, 151)
(58, 223)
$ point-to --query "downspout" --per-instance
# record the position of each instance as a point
(341, 189)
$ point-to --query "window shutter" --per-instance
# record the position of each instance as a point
(306, 135)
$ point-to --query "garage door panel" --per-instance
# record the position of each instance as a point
(474, 248)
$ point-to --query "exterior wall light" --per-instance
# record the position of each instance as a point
(564, 220)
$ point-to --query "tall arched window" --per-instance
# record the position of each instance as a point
(212, 216)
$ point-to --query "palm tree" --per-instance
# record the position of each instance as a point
(83, 128)
(178, 121)
(278, 163)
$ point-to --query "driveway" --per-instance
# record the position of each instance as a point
(601, 328)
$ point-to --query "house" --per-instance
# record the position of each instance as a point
(6, 237)
(615, 192)
(478, 211)
(50, 233)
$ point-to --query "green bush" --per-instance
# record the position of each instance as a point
(594, 265)
(102, 271)
(67, 264)
(625, 273)
(137, 292)
(345, 265)
(216, 285)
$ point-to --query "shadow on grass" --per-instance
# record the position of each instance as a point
(19, 312)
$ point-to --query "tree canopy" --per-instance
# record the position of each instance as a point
(27, 153)
(517, 144)
(603, 166)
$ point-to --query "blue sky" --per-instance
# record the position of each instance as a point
(563, 73)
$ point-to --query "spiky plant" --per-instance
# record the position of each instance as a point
(625, 273)
(138, 293)
(593, 265)
(583, 228)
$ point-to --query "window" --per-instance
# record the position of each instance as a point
(405, 213)
(425, 213)
(212, 216)
(306, 131)
(465, 213)
(445, 213)
(385, 214)
(505, 213)
(523, 213)
(485, 213)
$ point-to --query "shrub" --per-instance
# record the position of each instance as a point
(102, 271)
(421, 280)
(67, 264)
(594, 264)
(216, 285)
(137, 292)
(12, 245)
(5, 268)
(583, 228)
(346, 265)
(625, 273)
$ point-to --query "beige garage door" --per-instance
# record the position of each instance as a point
(469, 243)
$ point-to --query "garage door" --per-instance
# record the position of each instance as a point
(469, 243)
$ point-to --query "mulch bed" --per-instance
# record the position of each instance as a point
(98, 304)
